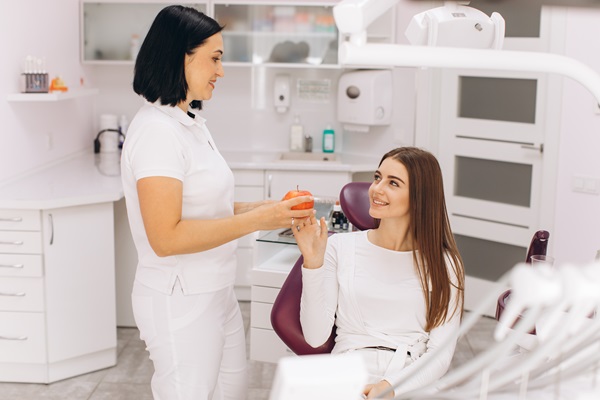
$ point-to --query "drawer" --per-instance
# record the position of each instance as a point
(22, 338)
(21, 265)
(266, 346)
(263, 294)
(260, 315)
(20, 220)
(20, 242)
(22, 294)
(249, 177)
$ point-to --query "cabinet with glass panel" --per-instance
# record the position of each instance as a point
(113, 30)
(280, 33)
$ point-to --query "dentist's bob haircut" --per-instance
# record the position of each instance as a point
(159, 68)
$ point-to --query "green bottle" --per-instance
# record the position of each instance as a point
(328, 140)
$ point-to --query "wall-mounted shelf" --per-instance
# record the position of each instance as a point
(56, 96)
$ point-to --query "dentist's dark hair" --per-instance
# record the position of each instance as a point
(159, 68)
(434, 242)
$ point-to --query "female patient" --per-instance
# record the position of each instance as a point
(395, 293)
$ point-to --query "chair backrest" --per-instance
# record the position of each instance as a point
(538, 246)
(285, 315)
(355, 202)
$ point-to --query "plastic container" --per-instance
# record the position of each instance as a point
(328, 140)
(297, 135)
(339, 222)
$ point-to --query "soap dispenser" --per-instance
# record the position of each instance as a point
(297, 135)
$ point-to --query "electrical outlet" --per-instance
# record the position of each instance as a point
(585, 184)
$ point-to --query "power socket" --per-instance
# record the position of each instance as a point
(585, 184)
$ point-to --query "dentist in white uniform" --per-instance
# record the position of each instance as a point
(184, 222)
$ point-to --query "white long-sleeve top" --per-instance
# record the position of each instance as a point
(374, 297)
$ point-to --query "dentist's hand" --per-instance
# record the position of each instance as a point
(312, 240)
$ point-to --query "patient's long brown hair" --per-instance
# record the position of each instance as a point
(433, 240)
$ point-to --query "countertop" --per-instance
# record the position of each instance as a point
(86, 178)
(83, 178)
(273, 160)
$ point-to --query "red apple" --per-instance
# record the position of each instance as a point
(295, 193)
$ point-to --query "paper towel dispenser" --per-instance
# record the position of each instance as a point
(364, 99)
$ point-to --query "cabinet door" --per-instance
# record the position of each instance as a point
(319, 183)
(80, 280)
(112, 30)
(284, 33)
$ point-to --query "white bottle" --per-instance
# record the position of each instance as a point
(297, 135)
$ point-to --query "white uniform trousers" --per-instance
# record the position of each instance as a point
(196, 342)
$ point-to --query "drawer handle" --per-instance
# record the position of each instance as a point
(16, 219)
(11, 266)
(18, 294)
(19, 243)
(2, 337)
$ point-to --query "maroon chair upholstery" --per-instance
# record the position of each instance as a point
(538, 246)
(285, 315)
(355, 202)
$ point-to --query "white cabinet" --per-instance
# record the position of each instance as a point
(278, 33)
(319, 183)
(281, 33)
(273, 262)
(108, 27)
(249, 187)
(57, 292)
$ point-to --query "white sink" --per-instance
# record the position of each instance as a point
(311, 157)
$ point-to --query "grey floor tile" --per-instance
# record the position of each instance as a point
(258, 394)
(68, 389)
(122, 391)
(260, 374)
(133, 366)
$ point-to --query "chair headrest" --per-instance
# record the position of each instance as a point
(355, 203)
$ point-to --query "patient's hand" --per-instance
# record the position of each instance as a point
(311, 238)
(373, 391)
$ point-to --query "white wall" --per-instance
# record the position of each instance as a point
(33, 134)
(577, 228)
(241, 115)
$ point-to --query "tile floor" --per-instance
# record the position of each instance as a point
(130, 378)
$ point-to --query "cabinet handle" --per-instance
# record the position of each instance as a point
(16, 219)
(51, 220)
(269, 179)
(19, 243)
(11, 266)
(2, 337)
(18, 294)
(539, 148)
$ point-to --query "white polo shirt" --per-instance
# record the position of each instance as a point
(165, 141)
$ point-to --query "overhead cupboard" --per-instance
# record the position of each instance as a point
(278, 33)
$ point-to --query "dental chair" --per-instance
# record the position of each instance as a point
(285, 314)
(538, 246)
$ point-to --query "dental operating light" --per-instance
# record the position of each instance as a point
(352, 18)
